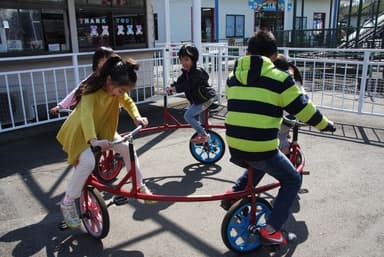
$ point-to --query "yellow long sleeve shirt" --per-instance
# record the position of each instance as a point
(96, 116)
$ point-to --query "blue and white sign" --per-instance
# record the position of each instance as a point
(252, 4)
(266, 5)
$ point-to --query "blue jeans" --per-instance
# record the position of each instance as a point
(195, 110)
(279, 167)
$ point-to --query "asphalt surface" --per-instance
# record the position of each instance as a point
(341, 213)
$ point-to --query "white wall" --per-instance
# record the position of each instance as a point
(181, 21)
(288, 15)
(150, 24)
(239, 7)
(317, 6)
(311, 6)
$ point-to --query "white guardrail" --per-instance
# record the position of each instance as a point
(338, 79)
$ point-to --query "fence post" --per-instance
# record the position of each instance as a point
(74, 39)
(166, 65)
(75, 63)
(363, 83)
(220, 73)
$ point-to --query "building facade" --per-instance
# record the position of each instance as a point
(61, 26)
(225, 19)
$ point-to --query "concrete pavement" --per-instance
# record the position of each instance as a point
(341, 215)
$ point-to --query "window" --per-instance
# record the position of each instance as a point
(93, 29)
(114, 3)
(119, 24)
(318, 20)
(32, 30)
(129, 30)
(235, 26)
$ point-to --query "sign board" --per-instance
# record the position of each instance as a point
(266, 5)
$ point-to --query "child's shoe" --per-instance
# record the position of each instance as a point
(276, 238)
(145, 190)
(71, 217)
(227, 203)
(200, 139)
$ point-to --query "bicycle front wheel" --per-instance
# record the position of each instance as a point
(94, 213)
(209, 152)
(109, 166)
(237, 232)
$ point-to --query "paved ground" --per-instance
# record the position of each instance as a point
(340, 216)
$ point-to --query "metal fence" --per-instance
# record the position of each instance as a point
(338, 79)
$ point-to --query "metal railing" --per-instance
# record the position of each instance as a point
(339, 79)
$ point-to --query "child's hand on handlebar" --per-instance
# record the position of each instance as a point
(55, 110)
(103, 144)
(141, 121)
(170, 90)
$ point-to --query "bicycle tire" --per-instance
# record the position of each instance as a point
(94, 213)
(236, 231)
(210, 152)
(108, 166)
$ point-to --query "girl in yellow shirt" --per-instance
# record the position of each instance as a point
(94, 123)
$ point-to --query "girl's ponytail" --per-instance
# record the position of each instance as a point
(124, 72)
(94, 83)
(121, 72)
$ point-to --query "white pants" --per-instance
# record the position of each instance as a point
(86, 164)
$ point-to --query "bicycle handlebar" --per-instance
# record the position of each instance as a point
(65, 110)
(296, 123)
(293, 123)
(128, 136)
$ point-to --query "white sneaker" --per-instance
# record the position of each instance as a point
(71, 217)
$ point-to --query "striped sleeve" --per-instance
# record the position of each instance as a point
(302, 108)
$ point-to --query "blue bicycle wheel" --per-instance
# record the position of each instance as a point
(237, 232)
(209, 152)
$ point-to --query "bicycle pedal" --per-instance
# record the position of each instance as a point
(120, 200)
(62, 226)
(306, 172)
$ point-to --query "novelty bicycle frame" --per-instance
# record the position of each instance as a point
(94, 210)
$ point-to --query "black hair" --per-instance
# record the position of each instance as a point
(262, 43)
(281, 62)
(296, 73)
(121, 72)
(101, 52)
(190, 51)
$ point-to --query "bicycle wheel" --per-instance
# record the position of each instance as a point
(209, 152)
(94, 213)
(236, 231)
(109, 166)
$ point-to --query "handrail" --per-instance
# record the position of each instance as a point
(53, 56)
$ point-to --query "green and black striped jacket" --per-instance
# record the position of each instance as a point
(257, 94)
